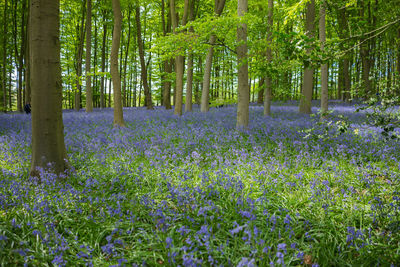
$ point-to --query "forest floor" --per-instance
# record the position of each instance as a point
(193, 191)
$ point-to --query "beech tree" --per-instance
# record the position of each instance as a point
(324, 66)
(243, 71)
(116, 79)
(48, 148)
(308, 76)
(268, 79)
(89, 92)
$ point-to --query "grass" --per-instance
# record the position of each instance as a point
(194, 191)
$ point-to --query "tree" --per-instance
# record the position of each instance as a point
(308, 77)
(268, 79)
(243, 72)
(179, 59)
(116, 79)
(89, 92)
(324, 66)
(147, 92)
(4, 76)
(189, 80)
(78, 55)
(48, 148)
(205, 93)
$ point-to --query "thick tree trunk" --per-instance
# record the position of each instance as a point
(268, 79)
(116, 79)
(308, 77)
(324, 66)
(4, 75)
(48, 148)
(89, 90)
(243, 72)
(205, 92)
(147, 93)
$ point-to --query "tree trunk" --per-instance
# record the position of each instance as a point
(189, 80)
(4, 75)
(324, 66)
(89, 90)
(268, 79)
(308, 77)
(179, 59)
(147, 93)
(103, 62)
(167, 66)
(205, 92)
(116, 79)
(27, 68)
(78, 64)
(48, 148)
(365, 62)
(128, 41)
(260, 96)
(243, 72)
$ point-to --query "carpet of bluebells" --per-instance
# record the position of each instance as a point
(193, 191)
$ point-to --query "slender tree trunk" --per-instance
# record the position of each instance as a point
(205, 93)
(4, 75)
(78, 64)
(27, 69)
(268, 79)
(89, 90)
(189, 80)
(308, 77)
(147, 92)
(116, 79)
(179, 59)
(47, 125)
(243, 72)
(124, 91)
(260, 96)
(364, 55)
(103, 62)
(167, 66)
(324, 66)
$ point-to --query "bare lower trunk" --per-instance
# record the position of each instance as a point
(205, 93)
(268, 79)
(243, 72)
(189, 84)
(116, 79)
(89, 90)
(308, 77)
(324, 66)
(147, 93)
(48, 148)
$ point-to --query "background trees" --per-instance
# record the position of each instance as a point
(360, 52)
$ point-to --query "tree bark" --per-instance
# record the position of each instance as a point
(167, 66)
(324, 66)
(4, 75)
(147, 93)
(48, 148)
(205, 92)
(89, 90)
(364, 55)
(128, 41)
(179, 59)
(116, 79)
(243, 72)
(79, 55)
(103, 62)
(308, 77)
(268, 79)
(189, 80)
